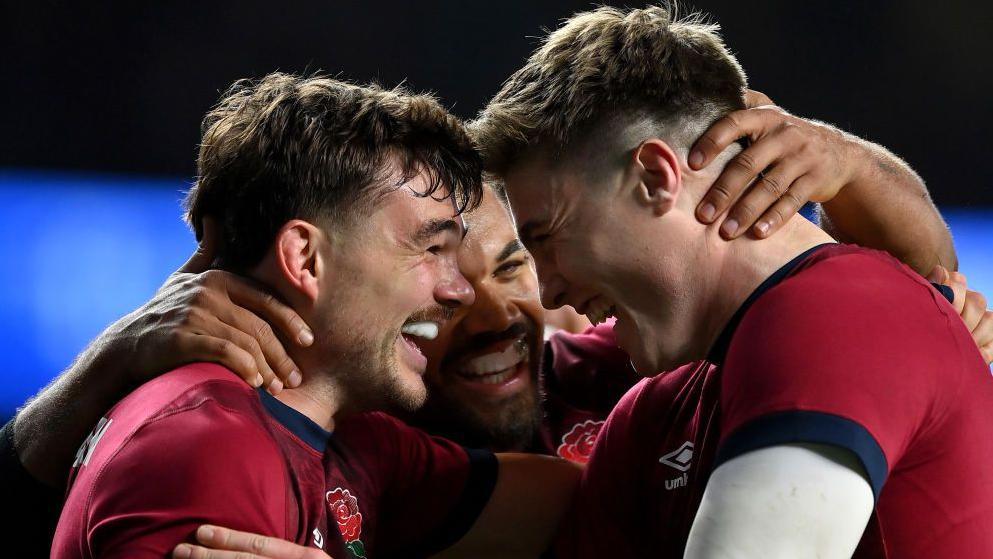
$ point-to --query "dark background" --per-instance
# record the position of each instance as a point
(121, 87)
(100, 107)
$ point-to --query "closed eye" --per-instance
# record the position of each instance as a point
(508, 268)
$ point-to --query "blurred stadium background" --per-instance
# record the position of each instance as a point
(102, 103)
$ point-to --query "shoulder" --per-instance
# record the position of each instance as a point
(194, 401)
(213, 421)
(184, 388)
(838, 300)
(198, 422)
(203, 454)
(847, 280)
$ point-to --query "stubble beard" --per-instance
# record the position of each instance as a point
(375, 381)
(512, 426)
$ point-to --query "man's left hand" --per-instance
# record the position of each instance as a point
(789, 162)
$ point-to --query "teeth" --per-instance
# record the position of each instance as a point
(599, 311)
(427, 330)
(495, 379)
(495, 362)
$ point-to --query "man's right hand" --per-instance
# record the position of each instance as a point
(224, 543)
(971, 306)
(198, 315)
(211, 315)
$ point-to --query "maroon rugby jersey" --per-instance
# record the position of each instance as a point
(583, 377)
(198, 445)
(842, 346)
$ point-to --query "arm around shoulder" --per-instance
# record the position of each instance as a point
(173, 474)
(887, 206)
(531, 495)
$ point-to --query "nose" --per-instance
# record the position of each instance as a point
(492, 312)
(454, 291)
(551, 284)
(552, 292)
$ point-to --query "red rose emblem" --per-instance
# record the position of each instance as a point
(344, 509)
(578, 442)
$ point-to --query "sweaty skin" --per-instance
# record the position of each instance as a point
(92, 384)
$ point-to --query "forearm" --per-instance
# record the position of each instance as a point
(50, 428)
(887, 206)
(530, 498)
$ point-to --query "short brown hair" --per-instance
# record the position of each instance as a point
(286, 147)
(604, 63)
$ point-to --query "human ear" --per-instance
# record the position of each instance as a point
(298, 256)
(660, 179)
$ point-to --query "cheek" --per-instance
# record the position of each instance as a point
(416, 286)
(581, 261)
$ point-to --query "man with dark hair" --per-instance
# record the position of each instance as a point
(829, 383)
(340, 199)
(473, 397)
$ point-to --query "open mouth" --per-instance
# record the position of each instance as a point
(410, 334)
(499, 368)
(426, 329)
(599, 310)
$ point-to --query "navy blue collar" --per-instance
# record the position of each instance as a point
(719, 350)
(298, 423)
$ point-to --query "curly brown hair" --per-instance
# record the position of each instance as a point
(316, 148)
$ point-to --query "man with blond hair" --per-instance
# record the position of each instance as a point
(829, 386)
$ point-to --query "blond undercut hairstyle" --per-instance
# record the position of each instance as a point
(611, 73)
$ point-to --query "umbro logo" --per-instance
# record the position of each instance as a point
(318, 538)
(681, 458)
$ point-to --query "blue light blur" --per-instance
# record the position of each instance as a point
(80, 251)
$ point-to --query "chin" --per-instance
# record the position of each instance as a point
(409, 391)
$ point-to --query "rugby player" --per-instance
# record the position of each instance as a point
(583, 377)
(829, 387)
(506, 310)
(344, 201)
(495, 272)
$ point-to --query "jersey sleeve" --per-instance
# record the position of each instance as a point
(435, 491)
(206, 465)
(846, 355)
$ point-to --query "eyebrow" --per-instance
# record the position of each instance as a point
(511, 247)
(432, 227)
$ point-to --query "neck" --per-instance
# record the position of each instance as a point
(321, 396)
(307, 401)
(318, 397)
(747, 262)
